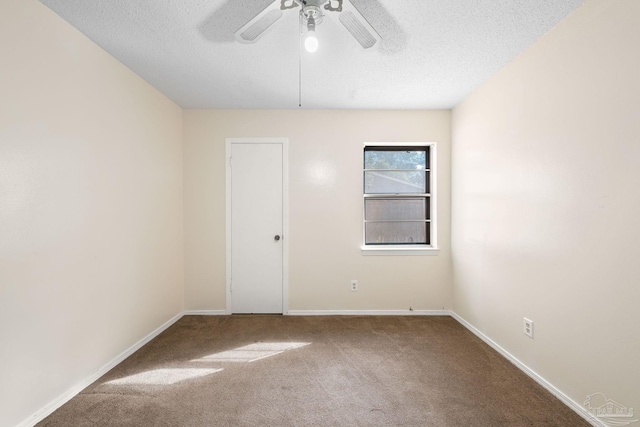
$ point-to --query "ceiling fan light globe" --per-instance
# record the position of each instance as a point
(311, 44)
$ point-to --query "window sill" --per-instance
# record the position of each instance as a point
(399, 250)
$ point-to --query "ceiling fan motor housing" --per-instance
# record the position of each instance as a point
(312, 12)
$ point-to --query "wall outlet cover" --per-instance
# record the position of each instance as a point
(527, 325)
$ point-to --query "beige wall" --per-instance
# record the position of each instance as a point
(91, 249)
(325, 208)
(545, 204)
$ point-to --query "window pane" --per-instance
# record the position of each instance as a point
(395, 182)
(396, 209)
(386, 159)
(396, 233)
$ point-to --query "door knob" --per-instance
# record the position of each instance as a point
(276, 237)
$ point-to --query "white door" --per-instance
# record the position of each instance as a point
(257, 224)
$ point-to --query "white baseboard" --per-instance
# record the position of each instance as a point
(368, 313)
(205, 312)
(72, 392)
(580, 410)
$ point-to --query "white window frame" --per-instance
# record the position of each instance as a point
(430, 249)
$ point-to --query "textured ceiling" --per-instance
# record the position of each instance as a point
(433, 52)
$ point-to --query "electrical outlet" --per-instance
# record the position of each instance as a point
(528, 327)
(354, 285)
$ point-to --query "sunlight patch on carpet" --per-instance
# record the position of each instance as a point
(163, 376)
(252, 352)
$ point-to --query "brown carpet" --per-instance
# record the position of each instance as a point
(353, 371)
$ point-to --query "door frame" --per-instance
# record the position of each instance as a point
(284, 142)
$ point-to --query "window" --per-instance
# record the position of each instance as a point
(398, 199)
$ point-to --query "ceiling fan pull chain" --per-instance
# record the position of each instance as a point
(300, 63)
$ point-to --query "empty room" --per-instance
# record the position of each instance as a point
(319, 213)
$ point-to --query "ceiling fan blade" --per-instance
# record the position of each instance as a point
(258, 26)
(358, 26)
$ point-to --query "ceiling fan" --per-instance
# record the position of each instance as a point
(311, 14)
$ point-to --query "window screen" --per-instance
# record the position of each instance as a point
(397, 199)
